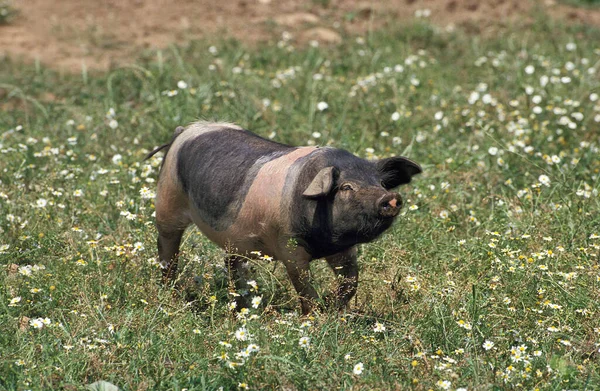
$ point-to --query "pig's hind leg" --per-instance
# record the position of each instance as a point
(169, 240)
(238, 271)
(172, 218)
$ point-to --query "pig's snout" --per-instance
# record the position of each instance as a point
(389, 205)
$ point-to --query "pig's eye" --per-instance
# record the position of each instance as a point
(346, 187)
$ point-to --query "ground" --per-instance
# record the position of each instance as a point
(488, 280)
(71, 34)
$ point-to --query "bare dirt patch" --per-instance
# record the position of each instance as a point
(69, 34)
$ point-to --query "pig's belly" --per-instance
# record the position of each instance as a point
(242, 239)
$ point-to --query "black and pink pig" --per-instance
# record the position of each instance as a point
(295, 204)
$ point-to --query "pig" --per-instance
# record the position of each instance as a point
(248, 194)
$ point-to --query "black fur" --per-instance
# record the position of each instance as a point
(217, 169)
(396, 171)
(312, 222)
(333, 200)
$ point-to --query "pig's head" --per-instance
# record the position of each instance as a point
(353, 199)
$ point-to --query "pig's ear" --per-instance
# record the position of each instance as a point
(322, 184)
(396, 171)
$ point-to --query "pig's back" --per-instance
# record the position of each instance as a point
(216, 166)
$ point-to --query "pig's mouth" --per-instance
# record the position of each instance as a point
(372, 228)
(363, 228)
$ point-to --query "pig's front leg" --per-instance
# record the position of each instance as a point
(345, 267)
(299, 273)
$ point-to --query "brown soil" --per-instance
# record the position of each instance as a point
(98, 34)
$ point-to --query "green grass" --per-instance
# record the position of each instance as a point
(583, 3)
(7, 12)
(498, 241)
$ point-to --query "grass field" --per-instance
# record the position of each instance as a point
(489, 280)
